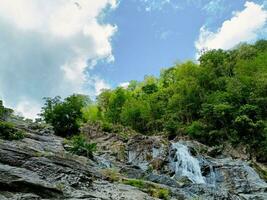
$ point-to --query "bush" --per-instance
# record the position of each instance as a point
(196, 130)
(106, 126)
(150, 188)
(163, 194)
(91, 113)
(9, 132)
(136, 115)
(111, 174)
(160, 193)
(4, 112)
(81, 147)
(65, 116)
(135, 183)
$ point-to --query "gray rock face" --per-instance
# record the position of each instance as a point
(224, 178)
(146, 152)
(38, 167)
(22, 180)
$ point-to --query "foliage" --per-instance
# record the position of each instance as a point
(66, 115)
(111, 174)
(135, 114)
(9, 132)
(150, 188)
(135, 182)
(81, 147)
(91, 113)
(160, 193)
(116, 102)
(4, 112)
(221, 99)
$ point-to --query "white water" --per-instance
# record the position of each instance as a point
(186, 165)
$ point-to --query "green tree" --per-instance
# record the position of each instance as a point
(4, 112)
(136, 114)
(65, 115)
(221, 99)
(115, 104)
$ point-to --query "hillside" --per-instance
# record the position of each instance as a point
(136, 167)
(199, 131)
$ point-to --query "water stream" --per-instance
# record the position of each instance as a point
(185, 164)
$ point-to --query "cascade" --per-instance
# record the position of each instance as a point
(185, 164)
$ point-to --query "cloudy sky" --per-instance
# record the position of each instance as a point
(60, 47)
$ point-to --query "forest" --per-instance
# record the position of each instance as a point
(220, 99)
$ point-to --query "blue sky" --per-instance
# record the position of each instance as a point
(146, 40)
(60, 47)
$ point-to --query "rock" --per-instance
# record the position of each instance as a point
(21, 180)
(162, 179)
(144, 151)
(184, 181)
(238, 177)
(116, 191)
(39, 167)
(132, 172)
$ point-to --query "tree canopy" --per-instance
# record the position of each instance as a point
(65, 115)
(221, 98)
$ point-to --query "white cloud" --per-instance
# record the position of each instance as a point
(152, 5)
(28, 109)
(124, 85)
(214, 7)
(100, 85)
(242, 27)
(47, 45)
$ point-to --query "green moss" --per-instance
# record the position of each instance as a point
(60, 186)
(262, 172)
(43, 154)
(161, 193)
(135, 182)
(152, 189)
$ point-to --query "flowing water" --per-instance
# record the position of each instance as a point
(185, 164)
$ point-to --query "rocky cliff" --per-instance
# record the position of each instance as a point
(132, 168)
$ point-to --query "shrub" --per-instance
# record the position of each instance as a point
(150, 188)
(135, 183)
(136, 115)
(9, 132)
(106, 126)
(81, 147)
(4, 112)
(196, 129)
(65, 115)
(163, 194)
(91, 113)
(111, 174)
(160, 193)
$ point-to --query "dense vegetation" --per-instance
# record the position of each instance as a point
(223, 98)
(8, 131)
(64, 115)
(79, 146)
(4, 112)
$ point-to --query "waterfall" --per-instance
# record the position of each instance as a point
(185, 164)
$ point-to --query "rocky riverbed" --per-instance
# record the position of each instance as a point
(123, 168)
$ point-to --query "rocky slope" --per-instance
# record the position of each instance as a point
(134, 168)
